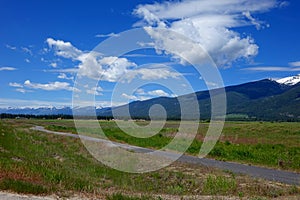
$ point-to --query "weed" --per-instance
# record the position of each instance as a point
(54, 164)
(248, 142)
(119, 196)
(22, 187)
(219, 185)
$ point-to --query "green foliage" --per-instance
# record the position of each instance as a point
(119, 196)
(62, 164)
(268, 147)
(22, 187)
(219, 185)
(61, 128)
(38, 163)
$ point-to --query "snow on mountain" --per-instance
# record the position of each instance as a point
(51, 110)
(292, 80)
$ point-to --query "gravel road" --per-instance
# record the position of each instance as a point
(253, 171)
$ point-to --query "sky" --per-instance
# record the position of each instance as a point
(48, 47)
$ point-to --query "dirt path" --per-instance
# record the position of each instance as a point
(12, 196)
(253, 171)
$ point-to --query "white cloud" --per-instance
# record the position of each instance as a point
(53, 64)
(22, 90)
(107, 35)
(154, 72)
(130, 97)
(205, 22)
(68, 70)
(112, 69)
(95, 91)
(284, 4)
(190, 8)
(26, 50)
(27, 60)
(92, 64)
(273, 69)
(19, 87)
(140, 91)
(255, 22)
(141, 94)
(11, 47)
(135, 55)
(16, 85)
(64, 76)
(44, 50)
(212, 84)
(49, 86)
(64, 49)
(52, 86)
(135, 97)
(159, 93)
(7, 69)
(23, 103)
(104, 68)
(295, 64)
(31, 103)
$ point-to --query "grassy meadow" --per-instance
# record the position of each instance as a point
(275, 145)
(33, 162)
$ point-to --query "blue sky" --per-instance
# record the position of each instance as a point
(44, 43)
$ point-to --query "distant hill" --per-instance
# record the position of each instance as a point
(259, 100)
(38, 111)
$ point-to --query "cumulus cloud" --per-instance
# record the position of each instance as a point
(205, 22)
(155, 72)
(26, 50)
(53, 64)
(16, 85)
(104, 68)
(159, 93)
(295, 64)
(64, 76)
(132, 97)
(190, 8)
(64, 49)
(273, 69)
(31, 103)
(92, 64)
(7, 69)
(68, 70)
(107, 35)
(11, 47)
(111, 68)
(52, 86)
(141, 94)
(22, 90)
(49, 86)
(95, 91)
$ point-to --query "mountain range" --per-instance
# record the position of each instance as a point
(266, 99)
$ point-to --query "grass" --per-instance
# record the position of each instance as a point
(39, 163)
(259, 143)
(22, 187)
(120, 196)
(219, 185)
(61, 128)
(273, 155)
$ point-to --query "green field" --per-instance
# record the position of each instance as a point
(268, 144)
(37, 163)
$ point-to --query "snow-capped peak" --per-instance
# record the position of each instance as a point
(292, 80)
